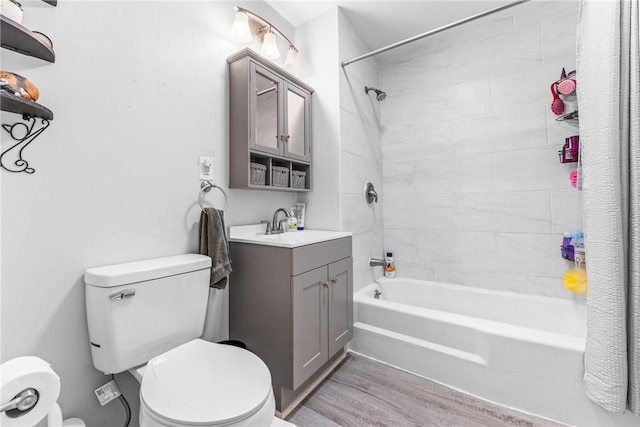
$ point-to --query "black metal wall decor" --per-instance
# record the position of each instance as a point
(24, 133)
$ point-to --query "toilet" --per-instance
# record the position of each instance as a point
(146, 317)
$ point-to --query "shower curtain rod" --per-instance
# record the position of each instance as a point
(430, 33)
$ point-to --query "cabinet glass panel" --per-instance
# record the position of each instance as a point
(266, 125)
(295, 122)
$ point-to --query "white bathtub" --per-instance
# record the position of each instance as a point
(517, 350)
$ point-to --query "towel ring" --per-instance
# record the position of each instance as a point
(205, 187)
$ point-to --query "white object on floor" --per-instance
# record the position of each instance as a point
(277, 422)
(54, 419)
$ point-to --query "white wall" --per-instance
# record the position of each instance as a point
(317, 41)
(361, 154)
(474, 191)
(139, 91)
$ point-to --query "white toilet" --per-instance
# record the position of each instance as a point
(146, 317)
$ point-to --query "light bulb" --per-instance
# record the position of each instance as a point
(291, 64)
(240, 31)
(269, 46)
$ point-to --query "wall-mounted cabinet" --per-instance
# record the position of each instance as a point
(269, 126)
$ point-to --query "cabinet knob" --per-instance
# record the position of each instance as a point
(325, 284)
(334, 280)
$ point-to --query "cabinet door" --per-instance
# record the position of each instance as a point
(309, 324)
(340, 304)
(297, 123)
(266, 111)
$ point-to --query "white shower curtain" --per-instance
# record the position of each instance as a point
(609, 105)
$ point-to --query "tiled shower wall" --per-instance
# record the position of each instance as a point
(474, 193)
(361, 154)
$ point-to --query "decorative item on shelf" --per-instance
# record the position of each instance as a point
(43, 38)
(15, 84)
(258, 173)
(564, 103)
(557, 106)
(248, 25)
(570, 150)
(575, 280)
(567, 82)
(279, 176)
(298, 178)
(574, 176)
(571, 243)
(11, 9)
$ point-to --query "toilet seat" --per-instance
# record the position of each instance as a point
(201, 383)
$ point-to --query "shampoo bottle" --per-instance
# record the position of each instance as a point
(390, 266)
(300, 215)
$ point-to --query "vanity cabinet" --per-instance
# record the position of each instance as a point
(322, 319)
(269, 125)
(293, 307)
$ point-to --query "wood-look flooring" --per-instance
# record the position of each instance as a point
(363, 392)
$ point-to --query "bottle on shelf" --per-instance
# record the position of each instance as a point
(390, 266)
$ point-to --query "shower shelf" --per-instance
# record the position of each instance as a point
(569, 117)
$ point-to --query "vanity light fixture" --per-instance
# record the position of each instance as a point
(248, 25)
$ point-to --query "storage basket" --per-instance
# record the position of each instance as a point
(279, 176)
(258, 173)
(298, 178)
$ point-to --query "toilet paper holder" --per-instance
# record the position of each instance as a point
(22, 402)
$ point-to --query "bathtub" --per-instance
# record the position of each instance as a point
(520, 351)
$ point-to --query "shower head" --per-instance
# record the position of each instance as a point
(380, 95)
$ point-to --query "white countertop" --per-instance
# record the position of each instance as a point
(290, 239)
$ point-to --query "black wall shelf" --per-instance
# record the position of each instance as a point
(22, 40)
(18, 105)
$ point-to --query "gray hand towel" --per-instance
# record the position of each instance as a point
(213, 242)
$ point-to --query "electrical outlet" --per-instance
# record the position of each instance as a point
(206, 168)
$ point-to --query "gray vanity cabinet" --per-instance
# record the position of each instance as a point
(322, 316)
(269, 125)
(293, 307)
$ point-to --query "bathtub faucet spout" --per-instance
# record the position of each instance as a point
(375, 262)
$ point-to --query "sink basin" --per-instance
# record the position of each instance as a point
(255, 234)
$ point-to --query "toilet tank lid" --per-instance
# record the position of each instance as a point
(139, 271)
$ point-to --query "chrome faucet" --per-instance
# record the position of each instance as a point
(275, 226)
(375, 262)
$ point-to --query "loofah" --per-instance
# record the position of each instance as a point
(573, 176)
(575, 280)
(557, 106)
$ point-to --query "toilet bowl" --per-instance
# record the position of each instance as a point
(201, 383)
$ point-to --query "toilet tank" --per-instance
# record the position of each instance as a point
(137, 310)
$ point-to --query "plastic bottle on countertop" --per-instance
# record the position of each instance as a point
(292, 221)
(390, 266)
